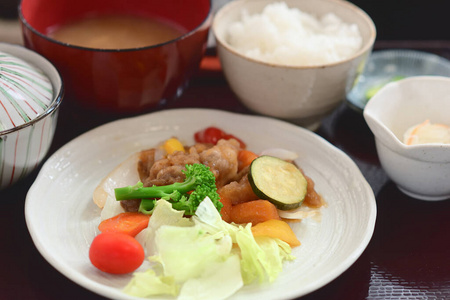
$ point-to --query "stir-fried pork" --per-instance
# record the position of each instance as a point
(238, 191)
(222, 160)
(168, 170)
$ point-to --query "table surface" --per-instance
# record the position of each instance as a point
(407, 257)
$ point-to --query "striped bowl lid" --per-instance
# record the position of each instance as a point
(25, 91)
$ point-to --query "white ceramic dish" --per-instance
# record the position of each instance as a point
(62, 219)
(420, 171)
(387, 65)
(303, 95)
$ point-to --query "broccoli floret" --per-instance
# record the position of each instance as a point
(186, 196)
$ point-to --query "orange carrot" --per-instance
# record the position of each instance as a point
(225, 211)
(130, 223)
(245, 158)
(254, 212)
(276, 229)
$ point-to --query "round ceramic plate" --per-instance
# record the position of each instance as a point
(63, 220)
(385, 66)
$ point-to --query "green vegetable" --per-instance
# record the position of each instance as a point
(262, 257)
(278, 181)
(186, 196)
(148, 283)
(198, 258)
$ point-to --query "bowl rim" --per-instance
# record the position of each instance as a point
(203, 23)
(406, 52)
(390, 140)
(59, 90)
(366, 47)
(380, 56)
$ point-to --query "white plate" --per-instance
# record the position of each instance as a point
(62, 219)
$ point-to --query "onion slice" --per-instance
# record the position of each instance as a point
(299, 213)
(123, 175)
(280, 153)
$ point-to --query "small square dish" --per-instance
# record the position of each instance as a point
(391, 65)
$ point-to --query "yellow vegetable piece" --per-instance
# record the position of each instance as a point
(172, 145)
(276, 229)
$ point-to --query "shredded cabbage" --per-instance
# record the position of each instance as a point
(262, 258)
(163, 215)
(148, 283)
(190, 247)
(195, 258)
(219, 281)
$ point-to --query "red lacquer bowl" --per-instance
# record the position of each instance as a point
(123, 80)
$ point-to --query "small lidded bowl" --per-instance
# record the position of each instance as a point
(293, 60)
(31, 91)
(414, 109)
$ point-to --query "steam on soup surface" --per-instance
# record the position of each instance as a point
(116, 32)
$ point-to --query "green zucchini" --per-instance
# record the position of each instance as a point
(278, 181)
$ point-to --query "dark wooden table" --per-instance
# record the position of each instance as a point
(407, 258)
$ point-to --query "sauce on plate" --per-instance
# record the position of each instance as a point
(116, 32)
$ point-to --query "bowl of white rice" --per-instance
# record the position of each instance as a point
(294, 60)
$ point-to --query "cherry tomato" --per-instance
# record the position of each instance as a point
(209, 135)
(116, 253)
(212, 135)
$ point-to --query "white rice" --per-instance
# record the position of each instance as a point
(288, 36)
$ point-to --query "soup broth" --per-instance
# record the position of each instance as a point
(115, 32)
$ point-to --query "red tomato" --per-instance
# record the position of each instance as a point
(209, 135)
(213, 134)
(116, 253)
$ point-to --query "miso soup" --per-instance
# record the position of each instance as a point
(116, 32)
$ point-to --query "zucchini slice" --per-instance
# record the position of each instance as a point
(278, 181)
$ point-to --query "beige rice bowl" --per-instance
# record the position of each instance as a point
(289, 36)
(294, 60)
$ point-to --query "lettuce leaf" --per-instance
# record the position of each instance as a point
(219, 281)
(262, 258)
(148, 283)
(185, 252)
(195, 257)
(163, 214)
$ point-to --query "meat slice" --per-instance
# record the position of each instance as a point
(169, 169)
(146, 161)
(238, 191)
(131, 205)
(222, 160)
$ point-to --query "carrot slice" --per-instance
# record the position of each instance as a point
(245, 158)
(254, 212)
(225, 211)
(276, 229)
(130, 223)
